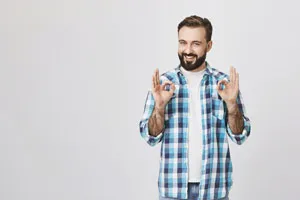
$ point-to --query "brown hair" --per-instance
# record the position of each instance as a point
(196, 21)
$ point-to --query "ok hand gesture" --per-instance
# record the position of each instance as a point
(230, 92)
(161, 96)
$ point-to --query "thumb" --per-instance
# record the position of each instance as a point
(172, 88)
(219, 86)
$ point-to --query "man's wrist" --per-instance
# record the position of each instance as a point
(232, 108)
(159, 108)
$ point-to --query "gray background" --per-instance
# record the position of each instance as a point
(74, 77)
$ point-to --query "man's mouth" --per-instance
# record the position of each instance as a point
(189, 57)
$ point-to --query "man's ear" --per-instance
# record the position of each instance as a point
(209, 45)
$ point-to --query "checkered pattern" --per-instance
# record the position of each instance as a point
(216, 171)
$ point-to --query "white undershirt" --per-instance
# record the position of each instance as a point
(194, 121)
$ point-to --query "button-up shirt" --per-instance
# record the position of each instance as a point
(216, 170)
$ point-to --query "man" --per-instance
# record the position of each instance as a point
(191, 110)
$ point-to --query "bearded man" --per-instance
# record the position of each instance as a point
(192, 110)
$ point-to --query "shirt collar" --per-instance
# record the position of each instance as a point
(208, 70)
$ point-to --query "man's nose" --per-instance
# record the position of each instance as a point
(188, 49)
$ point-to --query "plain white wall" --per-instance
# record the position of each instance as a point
(74, 77)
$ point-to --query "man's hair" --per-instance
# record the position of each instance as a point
(195, 21)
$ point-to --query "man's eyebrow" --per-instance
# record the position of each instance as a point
(192, 41)
(196, 41)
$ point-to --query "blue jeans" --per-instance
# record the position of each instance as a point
(193, 193)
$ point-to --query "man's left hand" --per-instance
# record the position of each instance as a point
(230, 92)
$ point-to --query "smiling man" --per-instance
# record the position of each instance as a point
(192, 110)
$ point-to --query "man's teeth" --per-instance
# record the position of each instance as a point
(189, 57)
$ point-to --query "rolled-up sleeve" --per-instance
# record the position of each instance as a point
(241, 137)
(143, 125)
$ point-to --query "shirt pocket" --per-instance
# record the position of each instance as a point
(218, 108)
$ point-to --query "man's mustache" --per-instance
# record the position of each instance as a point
(184, 54)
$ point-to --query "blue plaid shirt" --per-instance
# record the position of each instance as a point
(216, 167)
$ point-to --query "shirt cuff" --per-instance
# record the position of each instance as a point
(239, 138)
(153, 140)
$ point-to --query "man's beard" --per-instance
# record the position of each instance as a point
(189, 66)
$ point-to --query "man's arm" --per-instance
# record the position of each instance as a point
(156, 121)
(235, 119)
(238, 125)
(154, 126)
(152, 123)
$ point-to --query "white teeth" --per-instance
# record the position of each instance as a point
(189, 57)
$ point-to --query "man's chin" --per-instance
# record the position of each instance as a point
(189, 67)
(189, 62)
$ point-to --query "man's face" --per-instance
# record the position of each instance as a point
(192, 47)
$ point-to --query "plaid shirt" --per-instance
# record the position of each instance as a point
(216, 167)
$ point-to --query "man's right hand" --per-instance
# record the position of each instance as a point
(161, 96)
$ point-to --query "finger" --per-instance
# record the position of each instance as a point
(153, 82)
(224, 81)
(166, 83)
(237, 80)
(231, 74)
(154, 78)
(221, 82)
(157, 77)
(219, 86)
(173, 88)
(234, 76)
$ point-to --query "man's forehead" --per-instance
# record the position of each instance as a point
(191, 33)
